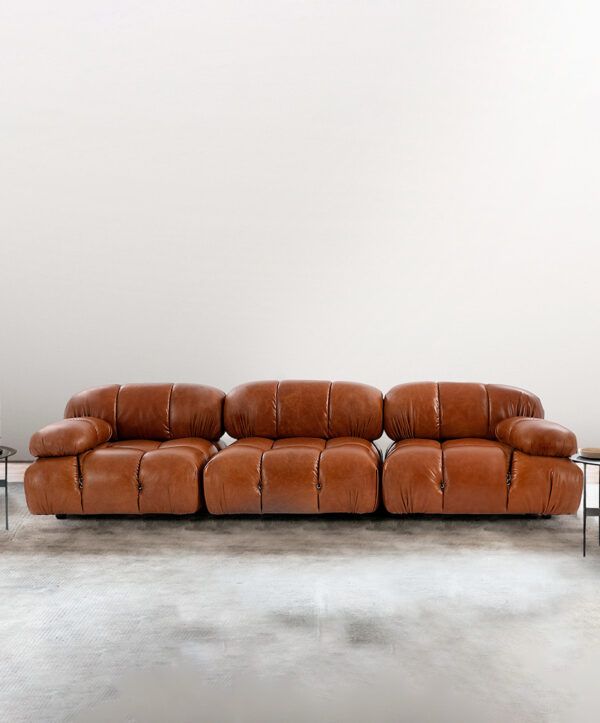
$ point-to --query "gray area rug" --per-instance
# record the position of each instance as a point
(297, 619)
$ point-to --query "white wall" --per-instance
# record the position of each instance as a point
(223, 191)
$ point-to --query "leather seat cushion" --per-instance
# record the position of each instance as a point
(475, 479)
(298, 475)
(144, 476)
(454, 410)
(459, 476)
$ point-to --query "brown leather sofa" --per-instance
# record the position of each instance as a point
(133, 449)
(302, 447)
(476, 449)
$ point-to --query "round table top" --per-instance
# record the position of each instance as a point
(585, 460)
(6, 452)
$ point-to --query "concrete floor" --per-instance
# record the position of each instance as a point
(296, 619)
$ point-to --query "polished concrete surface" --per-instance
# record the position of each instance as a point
(297, 619)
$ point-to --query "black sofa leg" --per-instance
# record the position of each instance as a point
(61, 517)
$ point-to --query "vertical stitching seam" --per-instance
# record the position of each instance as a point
(80, 481)
(329, 409)
(545, 512)
(260, 475)
(443, 480)
(277, 410)
(318, 490)
(137, 477)
(169, 412)
(378, 474)
(439, 406)
(489, 411)
(509, 472)
(117, 412)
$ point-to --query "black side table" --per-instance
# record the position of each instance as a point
(5, 453)
(588, 511)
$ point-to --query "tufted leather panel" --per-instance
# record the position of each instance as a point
(233, 484)
(475, 476)
(463, 410)
(412, 477)
(544, 485)
(110, 481)
(170, 478)
(196, 411)
(289, 479)
(52, 486)
(309, 475)
(459, 476)
(355, 410)
(143, 411)
(250, 410)
(304, 409)
(412, 411)
(453, 410)
(153, 411)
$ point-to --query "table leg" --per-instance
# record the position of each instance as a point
(6, 490)
(584, 503)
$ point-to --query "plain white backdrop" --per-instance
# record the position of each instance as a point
(224, 191)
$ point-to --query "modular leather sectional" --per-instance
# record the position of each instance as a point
(476, 448)
(304, 447)
(133, 449)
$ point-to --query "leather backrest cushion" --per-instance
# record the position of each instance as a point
(153, 411)
(412, 411)
(304, 409)
(452, 410)
(463, 410)
(196, 411)
(143, 411)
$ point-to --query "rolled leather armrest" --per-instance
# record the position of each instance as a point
(69, 437)
(537, 436)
